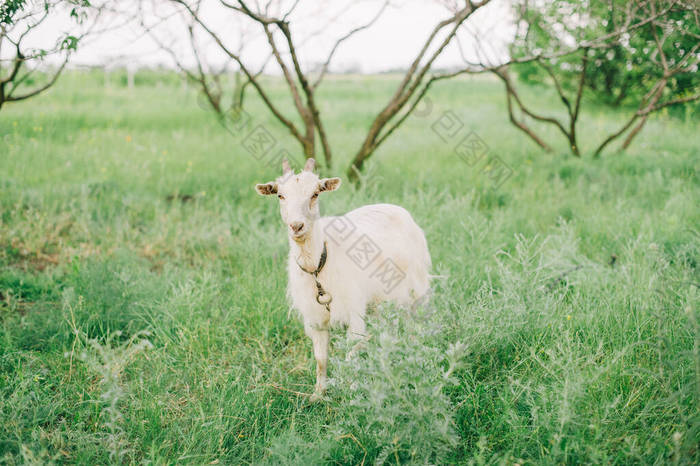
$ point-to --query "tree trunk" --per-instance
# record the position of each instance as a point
(643, 111)
(613, 136)
(309, 147)
(572, 141)
(358, 162)
(634, 132)
(368, 145)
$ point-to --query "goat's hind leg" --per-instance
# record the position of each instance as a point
(357, 330)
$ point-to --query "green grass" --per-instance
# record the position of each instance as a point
(566, 330)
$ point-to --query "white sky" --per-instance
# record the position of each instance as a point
(392, 42)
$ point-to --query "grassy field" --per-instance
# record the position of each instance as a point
(143, 316)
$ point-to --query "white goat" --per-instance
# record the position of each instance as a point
(339, 265)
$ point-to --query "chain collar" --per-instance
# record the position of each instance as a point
(322, 296)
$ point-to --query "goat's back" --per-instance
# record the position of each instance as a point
(387, 248)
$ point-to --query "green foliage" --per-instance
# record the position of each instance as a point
(617, 75)
(69, 43)
(8, 9)
(564, 328)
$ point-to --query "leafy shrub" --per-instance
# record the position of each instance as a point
(108, 361)
(394, 392)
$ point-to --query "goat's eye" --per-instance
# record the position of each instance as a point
(280, 196)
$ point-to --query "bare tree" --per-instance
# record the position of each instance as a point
(20, 65)
(275, 25)
(284, 52)
(414, 84)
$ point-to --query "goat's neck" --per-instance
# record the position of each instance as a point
(308, 253)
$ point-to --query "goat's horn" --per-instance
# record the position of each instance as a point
(310, 164)
(285, 167)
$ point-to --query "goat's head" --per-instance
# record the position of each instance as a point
(298, 197)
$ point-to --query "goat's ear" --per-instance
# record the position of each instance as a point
(329, 184)
(266, 189)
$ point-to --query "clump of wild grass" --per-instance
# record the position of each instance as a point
(108, 359)
(395, 393)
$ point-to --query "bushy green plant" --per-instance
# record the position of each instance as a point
(395, 388)
(618, 74)
(109, 359)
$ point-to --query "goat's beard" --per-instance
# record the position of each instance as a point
(301, 239)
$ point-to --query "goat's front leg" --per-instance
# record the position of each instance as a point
(319, 336)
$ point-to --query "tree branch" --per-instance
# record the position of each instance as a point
(557, 85)
(52, 81)
(411, 81)
(505, 77)
(251, 76)
(522, 126)
(352, 32)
